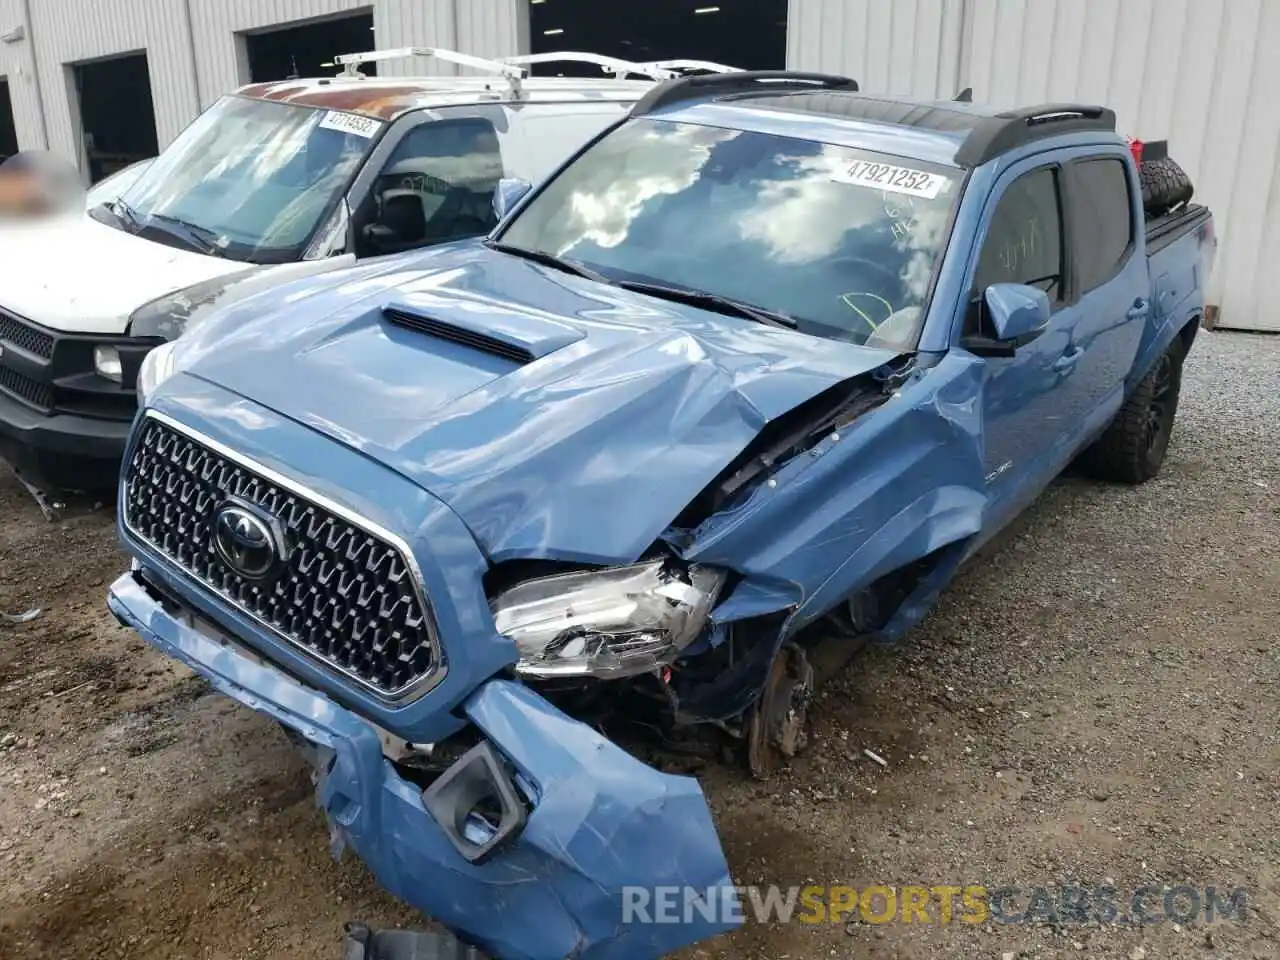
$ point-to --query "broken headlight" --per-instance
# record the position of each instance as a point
(610, 623)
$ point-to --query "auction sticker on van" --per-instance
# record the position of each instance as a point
(351, 123)
(886, 176)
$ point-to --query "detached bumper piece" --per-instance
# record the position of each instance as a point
(361, 943)
(531, 846)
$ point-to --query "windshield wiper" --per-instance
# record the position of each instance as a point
(126, 214)
(696, 298)
(201, 239)
(550, 260)
(711, 301)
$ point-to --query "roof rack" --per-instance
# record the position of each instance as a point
(743, 81)
(351, 61)
(514, 69)
(993, 136)
(619, 68)
(707, 65)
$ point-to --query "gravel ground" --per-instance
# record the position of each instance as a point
(1095, 701)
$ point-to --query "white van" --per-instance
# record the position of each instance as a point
(276, 181)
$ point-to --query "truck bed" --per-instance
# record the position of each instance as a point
(1179, 252)
(1165, 230)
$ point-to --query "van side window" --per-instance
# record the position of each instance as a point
(436, 186)
(1024, 241)
(1104, 221)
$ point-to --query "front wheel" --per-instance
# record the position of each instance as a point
(1134, 446)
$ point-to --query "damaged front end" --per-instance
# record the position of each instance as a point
(527, 833)
(806, 505)
(840, 524)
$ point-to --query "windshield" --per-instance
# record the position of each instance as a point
(251, 179)
(842, 241)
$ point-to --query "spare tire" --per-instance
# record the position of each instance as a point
(1165, 185)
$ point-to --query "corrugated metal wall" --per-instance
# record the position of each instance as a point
(16, 67)
(1201, 73)
(62, 32)
(221, 60)
(903, 46)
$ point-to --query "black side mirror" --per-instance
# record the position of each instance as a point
(1016, 314)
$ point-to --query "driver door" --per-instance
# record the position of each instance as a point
(434, 185)
(1032, 406)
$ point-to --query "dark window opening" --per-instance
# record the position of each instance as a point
(286, 53)
(1024, 241)
(1104, 220)
(751, 34)
(8, 132)
(117, 115)
(436, 186)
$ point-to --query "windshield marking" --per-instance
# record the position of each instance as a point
(366, 127)
(893, 178)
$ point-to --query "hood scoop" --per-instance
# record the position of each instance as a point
(515, 337)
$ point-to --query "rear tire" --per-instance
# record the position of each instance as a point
(1165, 185)
(1134, 446)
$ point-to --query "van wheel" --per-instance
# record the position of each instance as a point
(1133, 448)
(1165, 185)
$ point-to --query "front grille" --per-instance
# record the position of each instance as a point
(24, 388)
(25, 336)
(345, 596)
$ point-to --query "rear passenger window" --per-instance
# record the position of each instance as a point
(1105, 223)
(1024, 241)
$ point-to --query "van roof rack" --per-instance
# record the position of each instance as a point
(705, 65)
(685, 89)
(655, 70)
(350, 62)
(515, 69)
(993, 136)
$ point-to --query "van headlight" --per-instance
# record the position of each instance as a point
(106, 361)
(157, 367)
(610, 623)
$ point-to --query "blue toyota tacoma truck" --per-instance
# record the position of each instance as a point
(736, 389)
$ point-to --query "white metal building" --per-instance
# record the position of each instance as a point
(1201, 73)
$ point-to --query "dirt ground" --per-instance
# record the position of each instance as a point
(1098, 701)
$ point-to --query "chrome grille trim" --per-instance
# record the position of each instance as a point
(411, 690)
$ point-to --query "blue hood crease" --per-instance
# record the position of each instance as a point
(640, 403)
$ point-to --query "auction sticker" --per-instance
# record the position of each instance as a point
(352, 123)
(886, 176)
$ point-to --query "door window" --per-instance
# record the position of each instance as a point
(436, 186)
(1103, 221)
(1024, 241)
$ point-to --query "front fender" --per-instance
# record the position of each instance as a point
(904, 482)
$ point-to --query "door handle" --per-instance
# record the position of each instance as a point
(1139, 309)
(1066, 362)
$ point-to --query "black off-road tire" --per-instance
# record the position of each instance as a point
(1165, 185)
(1134, 446)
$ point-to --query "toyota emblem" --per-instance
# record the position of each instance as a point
(248, 542)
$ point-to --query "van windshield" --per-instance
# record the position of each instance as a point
(842, 242)
(250, 179)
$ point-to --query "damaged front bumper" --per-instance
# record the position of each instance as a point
(587, 839)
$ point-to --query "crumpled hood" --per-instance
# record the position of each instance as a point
(74, 274)
(587, 452)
